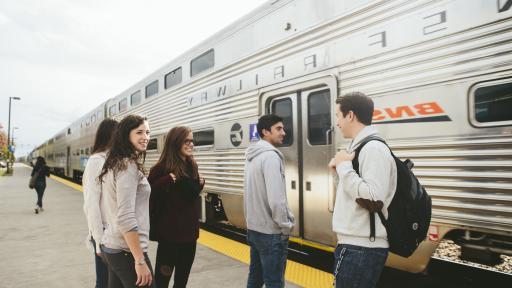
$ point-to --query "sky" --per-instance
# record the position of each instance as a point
(64, 57)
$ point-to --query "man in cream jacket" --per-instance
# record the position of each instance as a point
(359, 259)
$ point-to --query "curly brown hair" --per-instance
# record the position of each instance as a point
(122, 151)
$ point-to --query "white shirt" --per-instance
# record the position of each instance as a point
(92, 198)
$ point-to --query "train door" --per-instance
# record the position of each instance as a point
(307, 147)
(68, 162)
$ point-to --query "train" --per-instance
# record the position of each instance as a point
(438, 71)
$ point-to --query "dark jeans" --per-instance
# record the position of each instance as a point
(358, 267)
(40, 186)
(121, 270)
(174, 256)
(101, 269)
(268, 259)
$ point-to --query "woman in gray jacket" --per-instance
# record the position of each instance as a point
(126, 201)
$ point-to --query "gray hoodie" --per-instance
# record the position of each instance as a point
(265, 202)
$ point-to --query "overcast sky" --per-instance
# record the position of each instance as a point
(64, 57)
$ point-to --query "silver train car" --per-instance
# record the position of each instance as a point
(439, 72)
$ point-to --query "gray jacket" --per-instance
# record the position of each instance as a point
(265, 202)
(125, 197)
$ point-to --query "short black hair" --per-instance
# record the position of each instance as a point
(266, 122)
(360, 104)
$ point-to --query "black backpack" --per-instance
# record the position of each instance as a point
(410, 209)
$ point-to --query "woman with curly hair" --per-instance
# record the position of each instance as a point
(126, 194)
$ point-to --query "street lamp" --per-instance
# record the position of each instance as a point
(9, 161)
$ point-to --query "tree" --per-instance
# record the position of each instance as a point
(3, 142)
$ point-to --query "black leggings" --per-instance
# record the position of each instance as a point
(121, 270)
(40, 186)
(170, 257)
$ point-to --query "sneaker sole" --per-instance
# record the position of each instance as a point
(36, 211)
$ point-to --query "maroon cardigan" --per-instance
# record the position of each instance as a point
(174, 207)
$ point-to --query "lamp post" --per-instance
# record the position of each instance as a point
(9, 161)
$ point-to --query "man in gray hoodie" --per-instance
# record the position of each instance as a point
(269, 219)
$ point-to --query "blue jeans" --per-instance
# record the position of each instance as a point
(268, 259)
(101, 269)
(358, 267)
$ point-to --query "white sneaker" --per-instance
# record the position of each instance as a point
(36, 210)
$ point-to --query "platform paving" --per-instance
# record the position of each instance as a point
(48, 249)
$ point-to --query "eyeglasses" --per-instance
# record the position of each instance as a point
(189, 142)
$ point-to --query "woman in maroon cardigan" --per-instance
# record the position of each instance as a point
(175, 207)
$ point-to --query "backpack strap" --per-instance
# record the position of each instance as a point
(355, 165)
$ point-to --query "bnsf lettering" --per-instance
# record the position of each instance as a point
(422, 109)
(399, 112)
(428, 108)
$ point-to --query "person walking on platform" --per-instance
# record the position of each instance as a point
(174, 208)
(360, 255)
(125, 199)
(268, 216)
(92, 196)
(39, 174)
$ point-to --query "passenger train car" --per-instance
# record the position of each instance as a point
(439, 72)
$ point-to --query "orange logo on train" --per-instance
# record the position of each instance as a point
(423, 112)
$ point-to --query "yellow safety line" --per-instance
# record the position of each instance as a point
(67, 182)
(296, 273)
(311, 244)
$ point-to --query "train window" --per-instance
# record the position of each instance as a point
(99, 115)
(123, 104)
(203, 62)
(153, 144)
(93, 118)
(69, 131)
(81, 151)
(152, 89)
(173, 78)
(203, 138)
(87, 151)
(112, 110)
(283, 108)
(319, 117)
(492, 103)
(135, 98)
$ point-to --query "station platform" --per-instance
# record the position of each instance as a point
(48, 249)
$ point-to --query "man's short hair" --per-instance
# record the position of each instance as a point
(266, 122)
(360, 104)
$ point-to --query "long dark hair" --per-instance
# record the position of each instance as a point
(40, 163)
(171, 160)
(122, 150)
(104, 135)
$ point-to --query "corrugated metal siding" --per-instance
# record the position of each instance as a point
(470, 181)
